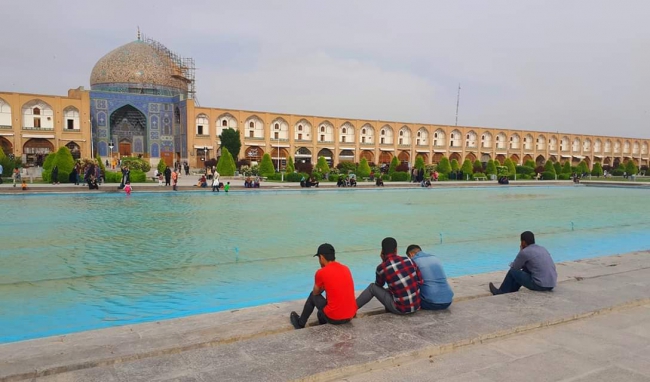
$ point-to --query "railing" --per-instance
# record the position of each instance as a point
(404, 145)
(440, 146)
(367, 143)
(38, 128)
(202, 135)
(8, 127)
(71, 130)
(325, 141)
(256, 138)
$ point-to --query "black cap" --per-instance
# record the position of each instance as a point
(326, 250)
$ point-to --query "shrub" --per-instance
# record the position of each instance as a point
(583, 168)
(161, 166)
(346, 166)
(524, 170)
(478, 166)
(549, 167)
(393, 165)
(294, 176)
(524, 177)
(478, 175)
(266, 167)
(511, 166)
(444, 167)
(274, 176)
(226, 165)
(548, 175)
(557, 167)
(530, 163)
(136, 176)
(135, 163)
(454, 165)
(630, 168)
(442, 177)
(502, 171)
(98, 161)
(363, 171)
(399, 176)
(563, 176)
(290, 166)
(617, 172)
(467, 167)
(598, 170)
(113, 177)
(491, 168)
(385, 177)
(419, 162)
(322, 166)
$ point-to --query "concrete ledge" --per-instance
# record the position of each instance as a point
(213, 332)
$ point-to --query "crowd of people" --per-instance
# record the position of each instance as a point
(406, 284)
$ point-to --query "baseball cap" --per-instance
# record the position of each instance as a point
(325, 249)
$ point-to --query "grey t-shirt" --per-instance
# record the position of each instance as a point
(539, 263)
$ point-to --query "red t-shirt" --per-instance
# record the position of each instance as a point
(337, 281)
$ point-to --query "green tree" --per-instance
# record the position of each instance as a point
(161, 166)
(101, 165)
(583, 168)
(566, 168)
(6, 164)
(290, 166)
(393, 165)
(478, 166)
(322, 166)
(630, 168)
(511, 166)
(419, 162)
(491, 168)
(597, 170)
(230, 139)
(364, 169)
(266, 167)
(226, 165)
(467, 168)
(455, 166)
(444, 167)
(557, 167)
(530, 163)
(549, 167)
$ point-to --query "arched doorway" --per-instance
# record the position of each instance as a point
(75, 150)
(279, 157)
(346, 156)
(6, 146)
(437, 157)
(527, 158)
(254, 154)
(500, 158)
(303, 155)
(385, 157)
(328, 155)
(457, 157)
(485, 157)
(369, 155)
(128, 127)
(404, 157)
(36, 149)
(540, 160)
(515, 159)
(471, 157)
(424, 157)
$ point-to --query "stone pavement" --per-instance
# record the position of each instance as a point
(259, 343)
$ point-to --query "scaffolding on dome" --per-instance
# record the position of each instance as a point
(182, 68)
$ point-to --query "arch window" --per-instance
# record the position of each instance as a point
(486, 140)
(608, 146)
(514, 141)
(71, 118)
(586, 145)
(423, 137)
(626, 147)
(302, 131)
(471, 139)
(255, 129)
(202, 124)
(347, 133)
(405, 136)
(280, 129)
(455, 138)
(598, 145)
(501, 141)
(541, 142)
(37, 115)
(326, 132)
(635, 148)
(225, 121)
(5, 113)
(439, 138)
(576, 145)
(386, 134)
(367, 134)
(528, 142)
(564, 144)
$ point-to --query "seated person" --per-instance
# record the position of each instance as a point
(347, 181)
(435, 292)
(426, 183)
(402, 277)
(248, 183)
(303, 182)
(256, 182)
(340, 182)
(435, 176)
(533, 268)
(203, 182)
(92, 183)
(539, 176)
(353, 180)
(335, 280)
(313, 182)
(379, 181)
(24, 185)
(504, 180)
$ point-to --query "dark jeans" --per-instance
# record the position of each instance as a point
(426, 305)
(515, 279)
(317, 301)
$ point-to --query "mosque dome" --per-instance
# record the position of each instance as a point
(138, 67)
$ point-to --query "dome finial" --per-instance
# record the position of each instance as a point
(138, 33)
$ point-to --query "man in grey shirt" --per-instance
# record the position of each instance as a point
(533, 268)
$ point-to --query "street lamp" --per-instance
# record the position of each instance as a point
(110, 146)
(205, 153)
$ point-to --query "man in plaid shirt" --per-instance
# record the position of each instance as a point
(403, 278)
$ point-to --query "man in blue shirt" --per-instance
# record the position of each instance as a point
(435, 292)
(533, 268)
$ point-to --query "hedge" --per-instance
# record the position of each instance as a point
(135, 163)
(548, 175)
(524, 170)
(400, 176)
(477, 175)
(442, 177)
(563, 176)
(137, 176)
(617, 172)
(112, 177)
(295, 176)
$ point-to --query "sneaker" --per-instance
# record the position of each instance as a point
(495, 291)
(295, 320)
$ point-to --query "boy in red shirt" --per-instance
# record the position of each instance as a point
(336, 280)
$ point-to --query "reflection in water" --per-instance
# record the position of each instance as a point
(96, 260)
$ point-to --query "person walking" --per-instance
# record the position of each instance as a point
(168, 175)
(16, 176)
(215, 181)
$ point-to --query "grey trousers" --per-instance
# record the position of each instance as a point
(383, 295)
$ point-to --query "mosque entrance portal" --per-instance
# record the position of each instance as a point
(129, 128)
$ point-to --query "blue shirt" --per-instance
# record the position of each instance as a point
(435, 289)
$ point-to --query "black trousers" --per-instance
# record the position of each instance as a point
(317, 301)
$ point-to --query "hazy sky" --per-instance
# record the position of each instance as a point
(550, 65)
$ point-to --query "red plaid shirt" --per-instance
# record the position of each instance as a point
(404, 279)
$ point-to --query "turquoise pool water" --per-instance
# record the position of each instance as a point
(74, 262)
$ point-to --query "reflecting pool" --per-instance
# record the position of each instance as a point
(73, 262)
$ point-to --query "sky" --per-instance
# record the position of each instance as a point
(574, 66)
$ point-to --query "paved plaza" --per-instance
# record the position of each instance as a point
(594, 325)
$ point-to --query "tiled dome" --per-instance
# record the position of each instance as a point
(136, 63)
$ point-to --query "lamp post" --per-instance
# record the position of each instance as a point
(205, 156)
(110, 146)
